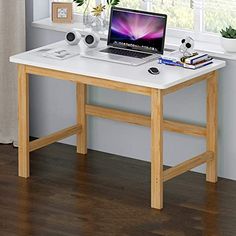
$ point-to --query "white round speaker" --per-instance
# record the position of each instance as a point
(73, 37)
(91, 40)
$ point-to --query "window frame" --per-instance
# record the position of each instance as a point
(197, 33)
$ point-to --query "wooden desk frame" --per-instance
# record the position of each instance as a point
(155, 122)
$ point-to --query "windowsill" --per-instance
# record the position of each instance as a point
(215, 50)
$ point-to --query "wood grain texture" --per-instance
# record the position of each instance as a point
(52, 138)
(156, 149)
(212, 126)
(117, 115)
(107, 195)
(89, 80)
(187, 165)
(81, 96)
(187, 83)
(184, 128)
(23, 123)
(143, 120)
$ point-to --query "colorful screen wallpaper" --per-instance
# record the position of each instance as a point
(137, 30)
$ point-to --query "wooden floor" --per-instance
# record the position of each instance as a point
(106, 195)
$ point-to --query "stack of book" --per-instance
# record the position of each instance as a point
(195, 61)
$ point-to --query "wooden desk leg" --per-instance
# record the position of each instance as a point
(157, 149)
(81, 91)
(212, 126)
(23, 123)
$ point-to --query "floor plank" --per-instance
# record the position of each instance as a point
(105, 194)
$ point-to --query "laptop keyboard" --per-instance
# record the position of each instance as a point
(127, 53)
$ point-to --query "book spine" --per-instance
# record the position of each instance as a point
(170, 62)
(196, 59)
(187, 66)
(194, 67)
(169, 59)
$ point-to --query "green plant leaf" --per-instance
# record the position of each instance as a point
(113, 2)
(79, 2)
(228, 32)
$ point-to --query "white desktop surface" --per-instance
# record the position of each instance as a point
(136, 75)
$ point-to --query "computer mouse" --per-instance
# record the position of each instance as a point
(154, 71)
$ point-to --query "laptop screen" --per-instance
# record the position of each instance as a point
(138, 30)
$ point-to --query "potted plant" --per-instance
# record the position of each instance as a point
(98, 9)
(86, 18)
(97, 23)
(228, 39)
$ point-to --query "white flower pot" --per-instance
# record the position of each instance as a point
(228, 44)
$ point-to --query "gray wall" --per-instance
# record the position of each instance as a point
(52, 107)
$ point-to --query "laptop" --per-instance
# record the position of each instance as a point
(134, 37)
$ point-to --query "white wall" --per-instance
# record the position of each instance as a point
(52, 107)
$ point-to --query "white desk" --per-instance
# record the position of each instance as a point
(120, 77)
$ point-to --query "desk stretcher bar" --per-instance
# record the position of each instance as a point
(155, 121)
(52, 138)
(187, 165)
(116, 115)
(142, 120)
